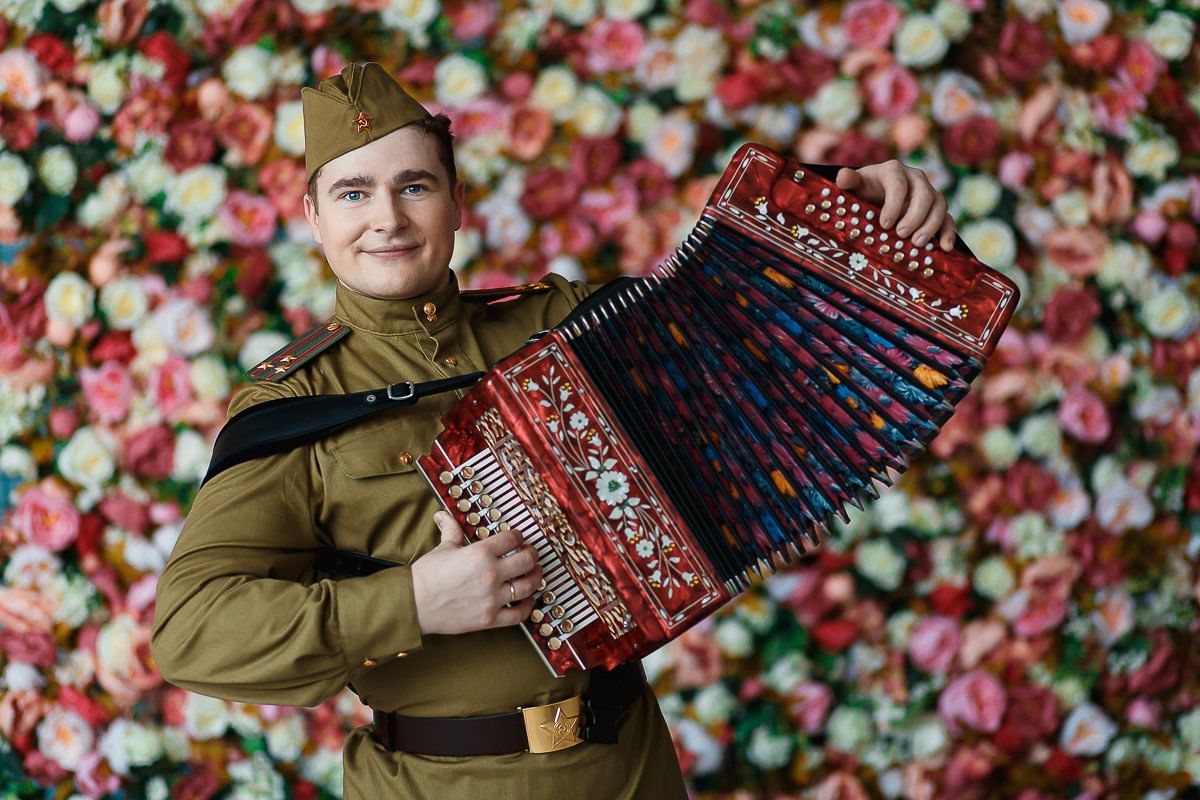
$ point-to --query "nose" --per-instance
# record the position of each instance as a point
(388, 213)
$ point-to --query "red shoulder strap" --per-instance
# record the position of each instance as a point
(286, 360)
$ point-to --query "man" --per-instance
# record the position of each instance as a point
(241, 615)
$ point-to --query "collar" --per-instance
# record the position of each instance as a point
(424, 314)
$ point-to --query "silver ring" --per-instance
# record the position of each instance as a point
(512, 590)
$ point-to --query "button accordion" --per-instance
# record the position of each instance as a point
(699, 426)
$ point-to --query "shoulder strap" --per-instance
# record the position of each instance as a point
(299, 352)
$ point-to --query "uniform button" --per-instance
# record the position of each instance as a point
(369, 662)
(429, 308)
(432, 318)
(451, 360)
(406, 458)
(401, 655)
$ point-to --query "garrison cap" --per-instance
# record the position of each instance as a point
(352, 109)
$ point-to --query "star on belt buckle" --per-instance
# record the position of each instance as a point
(554, 726)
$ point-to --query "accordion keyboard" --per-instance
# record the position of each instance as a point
(483, 491)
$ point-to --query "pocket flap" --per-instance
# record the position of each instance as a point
(389, 449)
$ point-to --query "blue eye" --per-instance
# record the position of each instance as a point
(415, 186)
(346, 196)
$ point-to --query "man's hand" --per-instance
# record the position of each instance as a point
(460, 589)
(902, 190)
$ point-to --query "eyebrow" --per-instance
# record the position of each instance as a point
(399, 179)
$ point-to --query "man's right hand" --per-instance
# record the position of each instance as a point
(463, 587)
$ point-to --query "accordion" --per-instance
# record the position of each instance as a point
(699, 426)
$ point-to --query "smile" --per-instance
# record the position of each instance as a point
(391, 252)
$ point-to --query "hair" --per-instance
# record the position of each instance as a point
(437, 126)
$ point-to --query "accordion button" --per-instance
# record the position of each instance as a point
(504, 526)
(468, 472)
(485, 500)
(545, 629)
(826, 204)
(451, 360)
(927, 272)
(567, 626)
(898, 257)
(824, 217)
(554, 643)
(809, 208)
(402, 654)
(463, 505)
(455, 491)
(482, 533)
(476, 486)
(473, 518)
(536, 616)
(445, 477)
(885, 249)
(406, 458)
(494, 515)
(541, 586)
(548, 597)
(558, 612)
(913, 265)
(799, 175)
(868, 240)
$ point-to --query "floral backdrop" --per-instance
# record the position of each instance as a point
(1016, 619)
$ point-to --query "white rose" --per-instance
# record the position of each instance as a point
(992, 241)
(210, 378)
(1083, 20)
(1170, 35)
(324, 768)
(458, 80)
(1123, 507)
(768, 750)
(714, 704)
(640, 120)
(672, 142)
(787, 673)
(69, 299)
(31, 566)
(848, 729)
(88, 459)
(656, 68)
(148, 175)
(733, 637)
(412, 16)
(554, 91)
(21, 677)
(248, 72)
(205, 717)
(993, 578)
(143, 745)
(192, 453)
(891, 510)
(16, 462)
(1189, 728)
(977, 195)
(14, 178)
(1124, 264)
(57, 170)
(103, 205)
(1152, 157)
(595, 114)
(507, 224)
(64, 737)
(197, 193)
(258, 346)
(953, 19)
(290, 67)
(900, 627)
(929, 738)
(576, 12)
(106, 84)
(880, 563)
(626, 10)
(74, 595)
(836, 104)
(1071, 207)
(956, 97)
(185, 327)
(779, 123)
(824, 33)
(1193, 392)
(124, 302)
(919, 41)
(286, 738)
(1169, 312)
(77, 669)
(1087, 731)
(696, 740)
(68, 6)
(289, 128)
(313, 6)
(1041, 436)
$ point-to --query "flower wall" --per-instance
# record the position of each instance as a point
(1017, 618)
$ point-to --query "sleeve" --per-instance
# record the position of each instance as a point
(233, 618)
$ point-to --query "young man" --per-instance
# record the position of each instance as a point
(431, 644)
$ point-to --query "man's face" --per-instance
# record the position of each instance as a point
(388, 215)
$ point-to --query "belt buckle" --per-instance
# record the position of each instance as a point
(554, 726)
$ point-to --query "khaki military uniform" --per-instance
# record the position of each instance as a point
(241, 616)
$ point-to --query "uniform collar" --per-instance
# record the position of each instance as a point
(423, 314)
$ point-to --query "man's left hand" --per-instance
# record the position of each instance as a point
(903, 191)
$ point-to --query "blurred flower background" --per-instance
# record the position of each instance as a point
(1016, 619)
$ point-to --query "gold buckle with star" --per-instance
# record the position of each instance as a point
(554, 726)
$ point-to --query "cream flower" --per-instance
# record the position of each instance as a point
(57, 170)
(837, 104)
(1083, 20)
(103, 205)
(286, 737)
(1152, 157)
(197, 193)
(595, 114)
(147, 175)
(626, 9)
(999, 446)
(14, 178)
(1169, 312)
(106, 84)
(956, 97)
(919, 41)
(993, 578)
(289, 128)
(248, 72)
(555, 90)
(1087, 731)
(458, 80)
(576, 12)
(192, 454)
(992, 241)
(186, 327)
(411, 16)
(672, 142)
(69, 299)
(879, 562)
(124, 302)
(210, 378)
(848, 728)
(977, 195)
(205, 717)
(1170, 35)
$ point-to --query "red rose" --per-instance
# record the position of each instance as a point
(1192, 496)
(200, 785)
(549, 193)
(150, 452)
(192, 142)
(254, 19)
(1161, 672)
(1031, 715)
(1100, 54)
(1064, 767)
(161, 47)
(254, 271)
(951, 601)
(1029, 486)
(805, 71)
(125, 512)
(148, 111)
(165, 247)
(29, 648)
(653, 183)
(1070, 313)
(739, 90)
(73, 699)
(53, 53)
(114, 346)
(283, 182)
(595, 160)
(856, 149)
(41, 770)
(835, 635)
(91, 528)
(1023, 49)
(972, 141)
(18, 126)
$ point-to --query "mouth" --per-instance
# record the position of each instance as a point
(391, 252)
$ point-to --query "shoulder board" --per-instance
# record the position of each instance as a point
(290, 357)
(504, 292)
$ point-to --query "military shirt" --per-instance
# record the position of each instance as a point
(240, 614)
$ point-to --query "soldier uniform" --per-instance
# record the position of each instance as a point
(241, 614)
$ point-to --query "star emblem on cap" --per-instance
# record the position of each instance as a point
(362, 122)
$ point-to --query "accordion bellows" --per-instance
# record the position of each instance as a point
(704, 424)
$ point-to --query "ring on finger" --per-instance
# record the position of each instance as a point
(512, 590)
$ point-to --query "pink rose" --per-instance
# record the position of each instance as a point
(976, 700)
(1070, 313)
(549, 192)
(1015, 168)
(609, 209)
(613, 45)
(80, 123)
(28, 648)
(1144, 712)
(171, 386)
(1040, 614)
(979, 639)
(870, 23)
(740, 89)
(1078, 251)
(595, 161)
(809, 705)
(1114, 103)
(910, 131)
(697, 659)
(1084, 416)
(529, 129)
(933, 644)
(94, 778)
(1150, 226)
(249, 218)
(123, 511)
(63, 422)
(1023, 49)
(971, 142)
(25, 611)
(47, 517)
(841, 786)
(1140, 66)
(1112, 191)
(471, 20)
(150, 452)
(107, 391)
(891, 91)
(283, 181)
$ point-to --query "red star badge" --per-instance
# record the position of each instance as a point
(363, 122)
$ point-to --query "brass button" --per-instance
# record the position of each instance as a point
(369, 662)
(406, 458)
(401, 654)
(451, 360)
(431, 317)
(429, 308)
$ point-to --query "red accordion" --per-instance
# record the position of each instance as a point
(696, 427)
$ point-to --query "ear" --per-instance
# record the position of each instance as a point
(459, 191)
(310, 213)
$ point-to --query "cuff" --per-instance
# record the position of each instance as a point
(377, 616)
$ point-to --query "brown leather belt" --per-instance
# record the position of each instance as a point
(590, 717)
